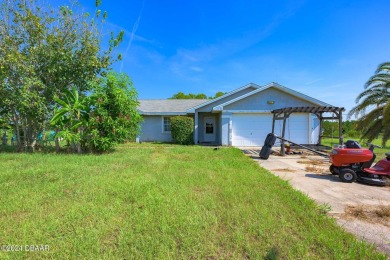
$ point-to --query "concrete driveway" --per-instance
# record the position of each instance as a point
(310, 174)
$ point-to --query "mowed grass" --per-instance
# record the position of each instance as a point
(157, 201)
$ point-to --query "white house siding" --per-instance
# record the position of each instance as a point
(152, 130)
(226, 119)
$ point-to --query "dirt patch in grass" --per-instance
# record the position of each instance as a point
(374, 214)
(110, 240)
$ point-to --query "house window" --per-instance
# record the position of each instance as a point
(209, 128)
(166, 124)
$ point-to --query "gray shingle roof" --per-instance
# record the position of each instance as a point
(166, 106)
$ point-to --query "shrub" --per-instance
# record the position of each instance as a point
(182, 129)
(353, 134)
(103, 119)
(114, 118)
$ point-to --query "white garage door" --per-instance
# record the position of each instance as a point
(252, 129)
(297, 128)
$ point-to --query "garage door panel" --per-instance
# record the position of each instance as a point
(252, 129)
(297, 128)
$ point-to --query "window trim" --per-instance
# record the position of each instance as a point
(163, 125)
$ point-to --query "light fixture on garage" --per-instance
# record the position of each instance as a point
(270, 102)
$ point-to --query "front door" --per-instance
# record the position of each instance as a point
(209, 129)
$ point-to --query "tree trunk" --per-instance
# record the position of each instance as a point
(5, 139)
(25, 138)
(33, 145)
(78, 145)
(18, 139)
(57, 142)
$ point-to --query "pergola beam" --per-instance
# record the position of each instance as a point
(284, 113)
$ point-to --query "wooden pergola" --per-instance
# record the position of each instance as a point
(284, 113)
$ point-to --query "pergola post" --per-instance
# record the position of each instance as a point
(340, 115)
(285, 116)
(319, 116)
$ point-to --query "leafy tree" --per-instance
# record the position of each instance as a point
(350, 129)
(4, 124)
(373, 105)
(43, 53)
(114, 117)
(181, 95)
(219, 94)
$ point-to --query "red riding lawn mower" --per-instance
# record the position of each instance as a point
(353, 163)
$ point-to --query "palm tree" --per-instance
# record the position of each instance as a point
(374, 107)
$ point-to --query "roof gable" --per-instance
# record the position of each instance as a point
(278, 87)
(231, 93)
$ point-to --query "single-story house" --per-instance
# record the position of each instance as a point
(241, 117)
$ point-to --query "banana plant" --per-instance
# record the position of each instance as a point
(71, 117)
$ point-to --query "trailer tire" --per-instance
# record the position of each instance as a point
(265, 152)
(270, 140)
(347, 175)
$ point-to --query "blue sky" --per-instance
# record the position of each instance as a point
(325, 49)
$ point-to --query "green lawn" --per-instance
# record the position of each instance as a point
(162, 201)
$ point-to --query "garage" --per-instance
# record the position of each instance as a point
(251, 129)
